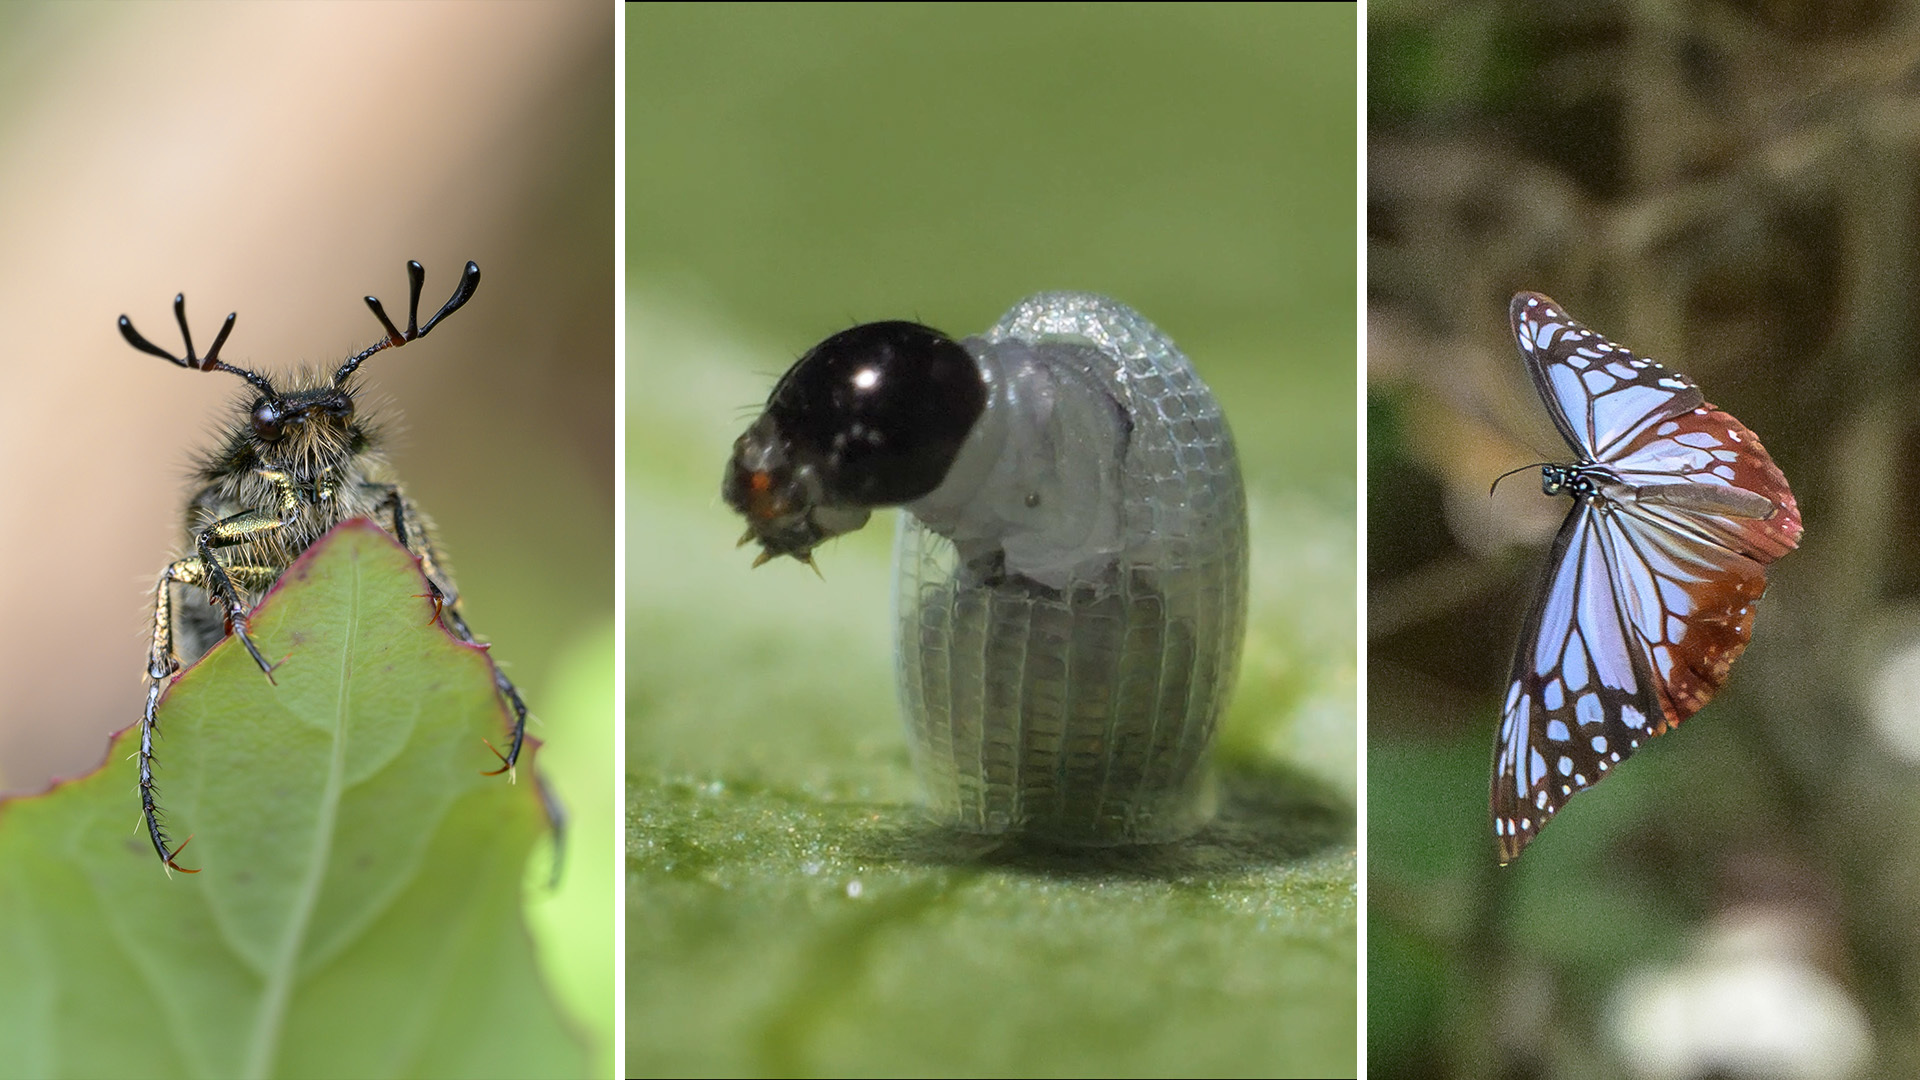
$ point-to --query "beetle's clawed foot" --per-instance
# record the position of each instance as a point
(167, 858)
(506, 764)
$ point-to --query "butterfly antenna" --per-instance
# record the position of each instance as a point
(1510, 472)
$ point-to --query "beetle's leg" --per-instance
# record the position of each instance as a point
(411, 530)
(239, 529)
(162, 662)
(451, 618)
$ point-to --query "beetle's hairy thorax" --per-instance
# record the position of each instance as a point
(354, 488)
(337, 472)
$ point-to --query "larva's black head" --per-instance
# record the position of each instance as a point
(872, 416)
(319, 417)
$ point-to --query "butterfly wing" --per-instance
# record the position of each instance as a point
(1651, 593)
(1599, 394)
(1581, 696)
(1705, 474)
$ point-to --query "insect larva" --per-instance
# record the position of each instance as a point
(1071, 567)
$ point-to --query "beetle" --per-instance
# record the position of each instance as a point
(293, 463)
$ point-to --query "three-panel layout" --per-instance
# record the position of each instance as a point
(958, 540)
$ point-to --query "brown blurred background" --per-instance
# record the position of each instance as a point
(283, 161)
(1731, 188)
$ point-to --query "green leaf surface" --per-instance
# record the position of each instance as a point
(359, 912)
(774, 933)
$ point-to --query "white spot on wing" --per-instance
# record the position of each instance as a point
(1588, 711)
(1575, 668)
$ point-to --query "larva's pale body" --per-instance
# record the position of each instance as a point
(1071, 569)
(1071, 599)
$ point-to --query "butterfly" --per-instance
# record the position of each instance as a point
(1649, 596)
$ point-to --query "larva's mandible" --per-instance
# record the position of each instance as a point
(1071, 567)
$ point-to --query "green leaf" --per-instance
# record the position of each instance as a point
(772, 932)
(359, 909)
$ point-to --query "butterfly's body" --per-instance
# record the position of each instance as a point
(1653, 577)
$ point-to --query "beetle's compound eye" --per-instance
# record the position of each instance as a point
(339, 406)
(881, 409)
(268, 419)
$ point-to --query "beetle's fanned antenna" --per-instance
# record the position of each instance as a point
(209, 362)
(469, 281)
(416, 277)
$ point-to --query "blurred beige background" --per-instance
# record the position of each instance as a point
(283, 161)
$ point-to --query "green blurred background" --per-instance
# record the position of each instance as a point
(1727, 187)
(794, 170)
(283, 161)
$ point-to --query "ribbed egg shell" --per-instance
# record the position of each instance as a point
(1070, 602)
